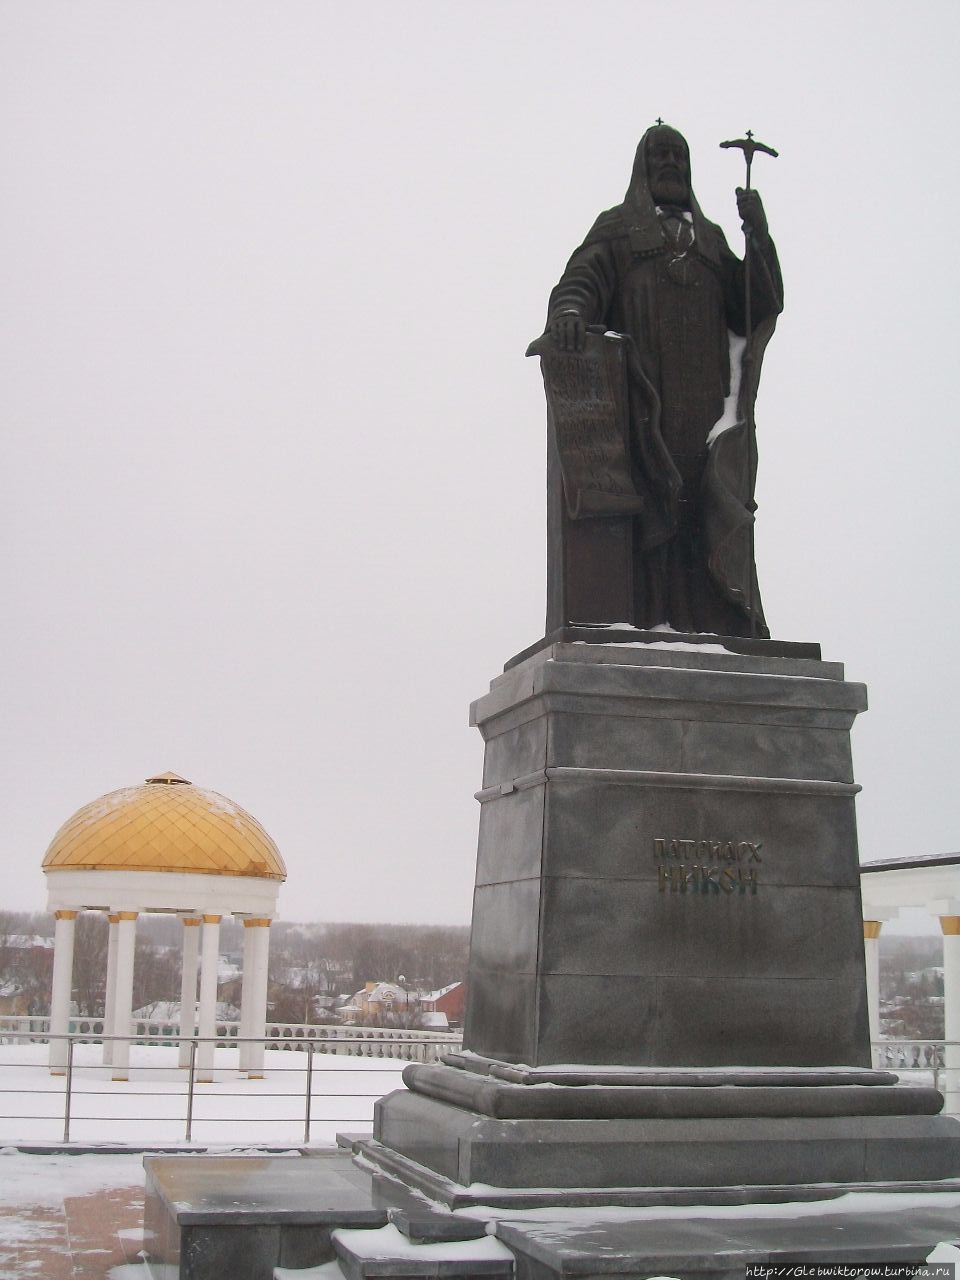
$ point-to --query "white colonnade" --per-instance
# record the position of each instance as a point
(871, 955)
(253, 1005)
(931, 884)
(110, 995)
(950, 928)
(188, 986)
(61, 988)
(123, 992)
(201, 956)
(207, 1028)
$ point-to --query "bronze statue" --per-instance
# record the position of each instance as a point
(652, 451)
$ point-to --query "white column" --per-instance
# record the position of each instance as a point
(110, 993)
(258, 930)
(123, 1009)
(950, 925)
(249, 944)
(188, 986)
(871, 953)
(209, 957)
(61, 988)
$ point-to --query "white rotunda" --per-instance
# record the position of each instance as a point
(164, 846)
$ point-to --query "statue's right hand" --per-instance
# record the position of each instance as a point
(568, 331)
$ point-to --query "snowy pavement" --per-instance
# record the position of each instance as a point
(80, 1217)
(65, 1217)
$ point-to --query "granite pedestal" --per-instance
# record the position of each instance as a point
(666, 980)
(667, 871)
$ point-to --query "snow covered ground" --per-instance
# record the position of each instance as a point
(43, 1196)
(150, 1108)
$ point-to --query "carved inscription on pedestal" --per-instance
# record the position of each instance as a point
(707, 866)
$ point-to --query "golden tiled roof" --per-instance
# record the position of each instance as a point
(167, 824)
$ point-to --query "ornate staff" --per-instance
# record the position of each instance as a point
(749, 146)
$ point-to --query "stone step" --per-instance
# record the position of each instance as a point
(856, 1230)
(239, 1217)
(387, 1252)
(422, 1226)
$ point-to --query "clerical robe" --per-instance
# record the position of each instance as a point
(679, 296)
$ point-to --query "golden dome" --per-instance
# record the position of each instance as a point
(167, 824)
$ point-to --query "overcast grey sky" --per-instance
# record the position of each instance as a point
(272, 482)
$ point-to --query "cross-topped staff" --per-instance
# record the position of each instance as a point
(749, 146)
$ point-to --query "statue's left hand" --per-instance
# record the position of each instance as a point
(751, 211)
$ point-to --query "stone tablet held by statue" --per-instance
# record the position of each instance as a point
(587, 394)
(653, 526)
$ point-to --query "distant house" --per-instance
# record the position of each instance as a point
(26, 963)
(449, 1000)
(13, 999)
(382, 1002)
(32, 943)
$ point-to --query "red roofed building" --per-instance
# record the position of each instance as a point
(449, 1000)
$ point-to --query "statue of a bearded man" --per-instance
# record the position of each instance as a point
(654, 270)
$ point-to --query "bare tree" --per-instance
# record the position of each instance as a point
(90, 963)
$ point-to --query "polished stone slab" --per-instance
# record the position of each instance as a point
(210, 1217)
(425, 1227)
(857, 1230)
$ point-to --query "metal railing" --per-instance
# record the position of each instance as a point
(302, 1083)
(300, 1074)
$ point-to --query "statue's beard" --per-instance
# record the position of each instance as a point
(666, 189)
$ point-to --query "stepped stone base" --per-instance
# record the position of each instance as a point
(506, 1093)
(454, 1128)
(249, 1218)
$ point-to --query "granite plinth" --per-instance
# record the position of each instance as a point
(702, 1098)
(466, 1147)
(667, 872)
(611, 635)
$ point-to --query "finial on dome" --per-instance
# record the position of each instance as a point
(171, 780)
